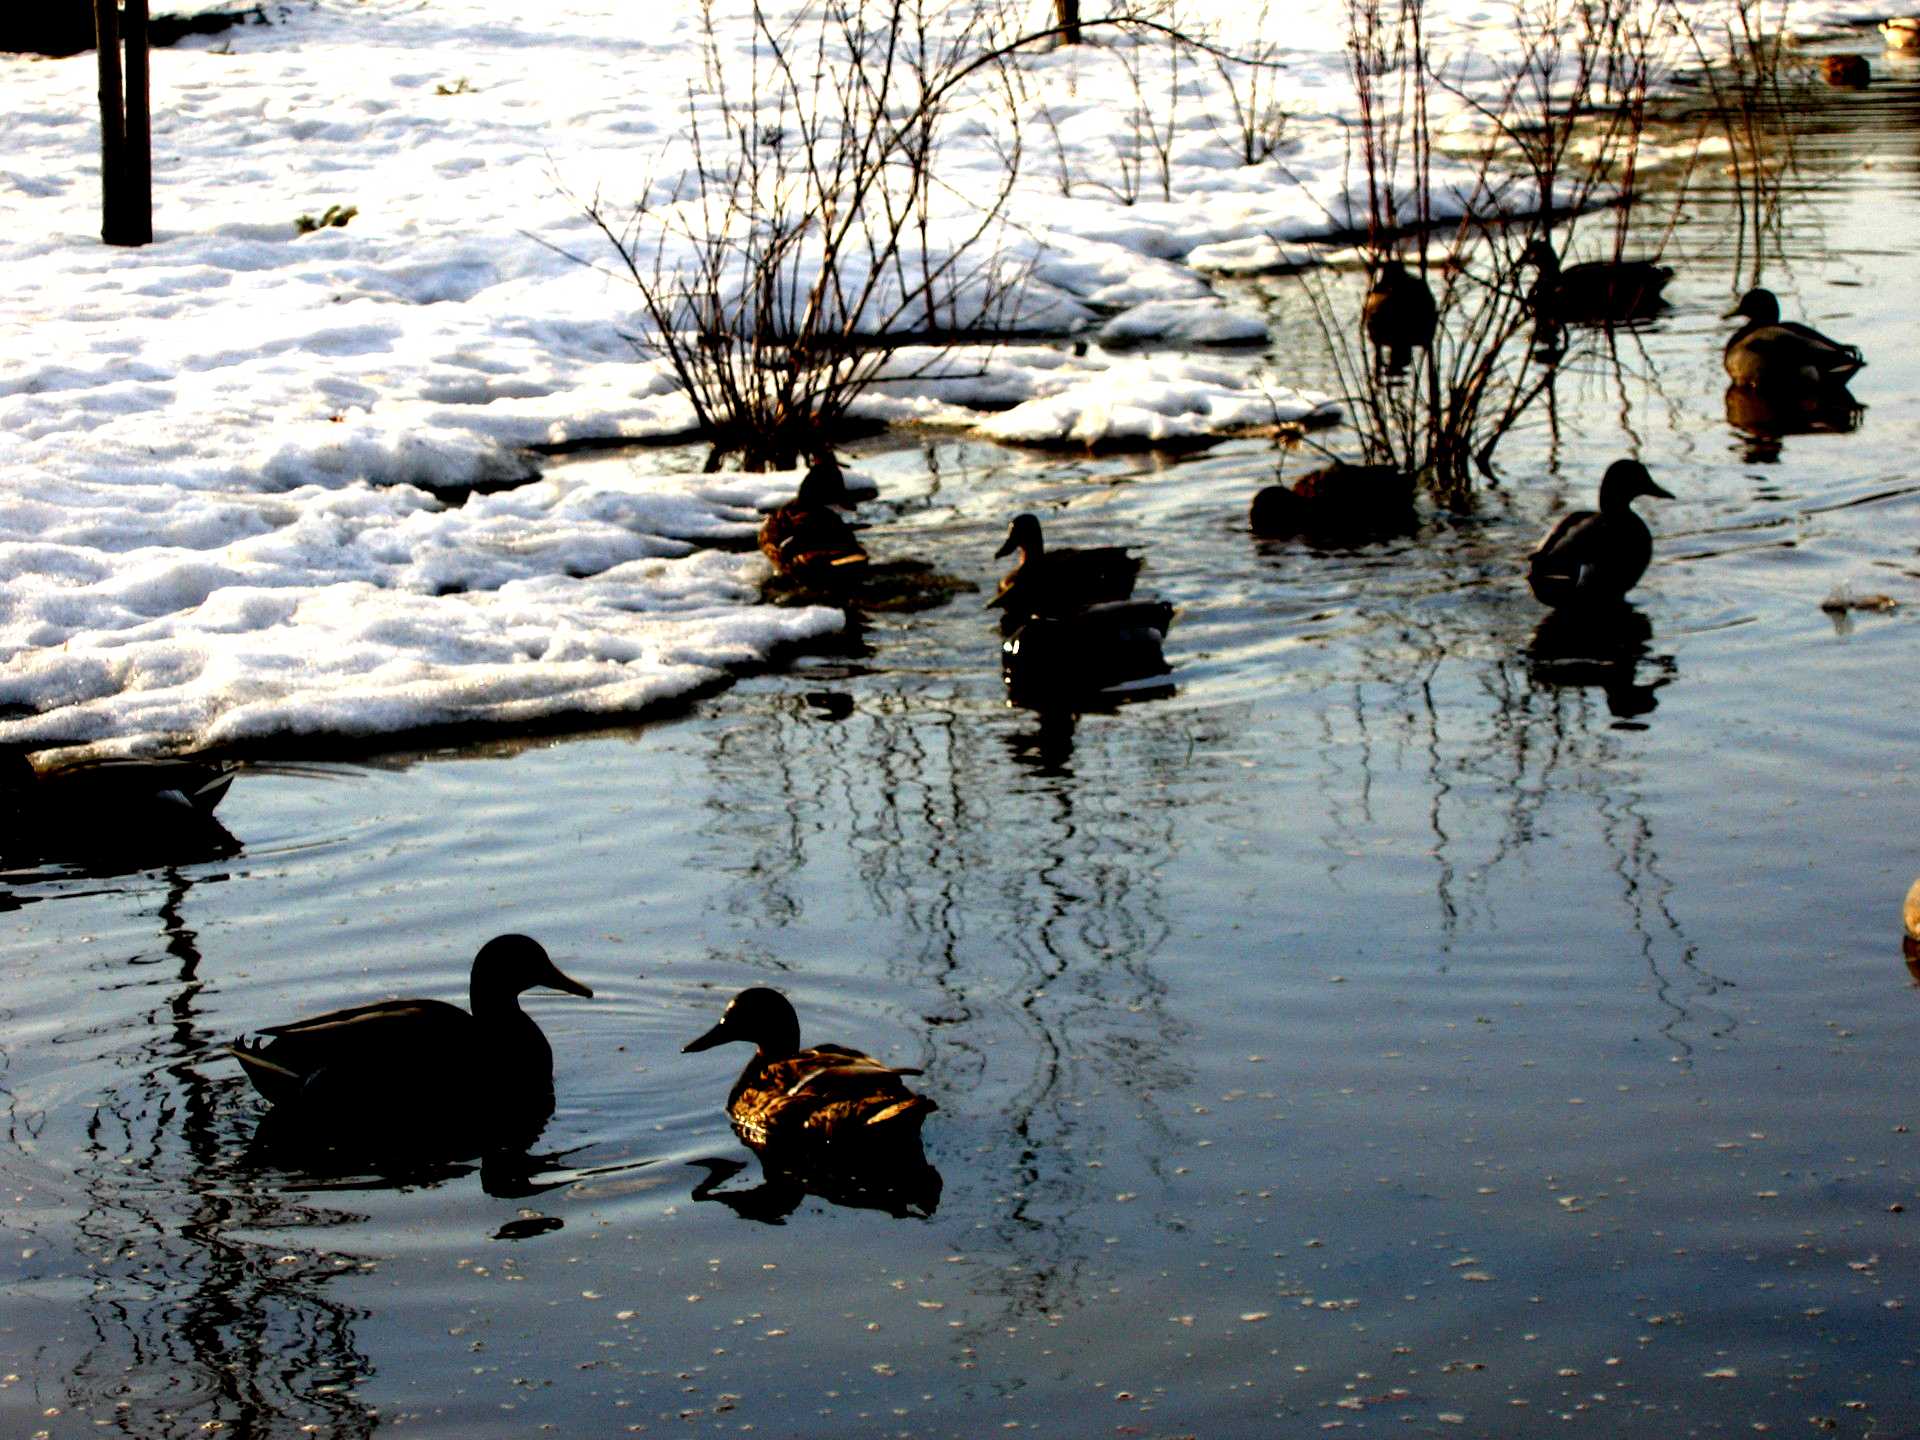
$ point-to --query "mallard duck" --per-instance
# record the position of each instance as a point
(1059, 582)
(1398, 315)
(826, 1095)
(1902, 32)
(394, 1060)
(1768, 353)
(1595, 557)
(807, 535)
(1057, 658)
(1593, 292)
(1846, 72)
(1338, 498)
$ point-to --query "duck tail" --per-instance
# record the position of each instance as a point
(272, 1079)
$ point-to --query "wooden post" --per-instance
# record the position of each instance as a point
(1066, 18)
(126, 127)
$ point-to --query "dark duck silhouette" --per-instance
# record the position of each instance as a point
(808, 536)
(1337, 499)
(1768, 353)
(1054, 660)
(1399, 315)
(1594, 292)
(113, 808)
(827, 1096)
(418, 1071)
(1593, 558)
(1059, 582)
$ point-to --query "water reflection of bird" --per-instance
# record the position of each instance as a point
(1062, 659)
(1771, 415)
(807, 535)
(1602, 648)
(104, 807)
(824, 1096)
(1593, 558)
(1593, 292)
(903, 1186)
(1337, 500)
(1059, 582)
(1399, 315)
(407, 1071)
(1768, 353)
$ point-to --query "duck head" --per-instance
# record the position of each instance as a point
(1756, 305)
(1022, 535)
(1539, 252)
(1624, 481)
(510, 964)
(763, 1018)
(824, 483)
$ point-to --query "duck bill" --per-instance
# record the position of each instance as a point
(716, 1036)
(557, 980)
(1007, 547)
(1654, 489)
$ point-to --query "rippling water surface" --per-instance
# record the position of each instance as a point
(1390, 1028)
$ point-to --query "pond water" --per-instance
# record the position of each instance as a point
(1389, 1029)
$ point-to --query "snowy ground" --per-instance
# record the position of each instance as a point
(219, 454)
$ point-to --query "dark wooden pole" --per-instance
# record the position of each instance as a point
(126, 131)
(138, 172)
(1066, 16)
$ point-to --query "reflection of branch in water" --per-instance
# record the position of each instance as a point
(1028, 898)
(192, 1328)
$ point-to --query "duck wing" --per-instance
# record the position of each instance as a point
(800, 539)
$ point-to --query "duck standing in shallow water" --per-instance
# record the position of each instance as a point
(1593, 558)
(808, 536)
(1398, 315)
(1059, 582)
(1768, 353)
(828, 1095)
(1594, 292)
(399, 1068)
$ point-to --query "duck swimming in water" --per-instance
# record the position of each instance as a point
(808, 536)
(1059, 582)
(1594, 292)
(826, 1095)
(370, 1068)
(1768, 353)
(1594, 558)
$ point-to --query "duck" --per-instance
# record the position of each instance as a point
(807, 535)
(1059, 582)
(108, 790)
(1768, 353)
(393, 1061)
(1051, 659)
(1398, 315)
(1902, 32)
(1337, 498)
(824, 1096)
(1593, 558)
(1594, 291)
(1846, 72)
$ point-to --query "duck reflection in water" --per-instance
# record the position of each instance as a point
(826, 1120)
(108, 817)
(1093, 658)
(1767, 417)
(409, 1085)
(1601, 648)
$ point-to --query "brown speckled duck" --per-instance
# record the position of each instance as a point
(807, 535)
(827, 1095)
(1768, 353)
(360, 1067)
(1059, 582)
(1593, 558)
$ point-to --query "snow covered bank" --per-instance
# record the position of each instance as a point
(219, 453)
